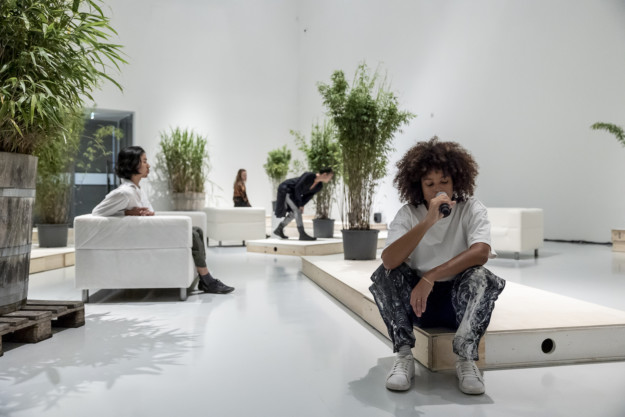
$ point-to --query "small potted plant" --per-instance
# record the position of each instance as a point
(277, 167)
(367, 116)
(322, 152)
(55, 167)
(619, 133)
(185, 160)
(57, 162)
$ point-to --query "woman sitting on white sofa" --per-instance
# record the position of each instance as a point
(129, 200)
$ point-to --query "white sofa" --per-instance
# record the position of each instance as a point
(516, 229)
(134, 252)
(198, 218)
(235, 223)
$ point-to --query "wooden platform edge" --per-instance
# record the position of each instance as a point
(498, 349)
(425, 343)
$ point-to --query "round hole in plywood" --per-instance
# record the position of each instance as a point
(275, 249)
(548, 346)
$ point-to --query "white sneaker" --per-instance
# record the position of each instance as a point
(400, 377)
(469, 377)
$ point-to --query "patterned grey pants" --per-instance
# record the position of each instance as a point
(293, 214)
(465, 303)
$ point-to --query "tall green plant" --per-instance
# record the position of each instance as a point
(366, 116)
(323, 151)
(277, 165)
(184, 156)
(52, 55)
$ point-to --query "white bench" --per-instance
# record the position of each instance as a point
(134, 252)
(235, 223)
(516, 229)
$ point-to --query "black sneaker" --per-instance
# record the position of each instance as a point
(215, 287)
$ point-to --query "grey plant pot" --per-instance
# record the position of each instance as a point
(323, 228)
(52, 235)
(360, 245)
(189, 201)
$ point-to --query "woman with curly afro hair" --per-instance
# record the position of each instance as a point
(432, 272)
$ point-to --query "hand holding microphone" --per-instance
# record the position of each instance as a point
(444, 208)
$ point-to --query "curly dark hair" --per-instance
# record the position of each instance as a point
(128, 161)
(449, 157)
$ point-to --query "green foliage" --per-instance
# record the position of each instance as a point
(52, 55)
(366, 116)
(57, 162)
(611, 128)
(277, 165)
(184, 156)
(55, 166)
(323, 151)
(95, 147)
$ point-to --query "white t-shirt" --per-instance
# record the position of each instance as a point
(467, 224)
(125, 197)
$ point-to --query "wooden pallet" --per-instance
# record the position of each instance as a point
(34, 321)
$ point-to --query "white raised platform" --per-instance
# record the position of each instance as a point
(308, 225)
(295, 247)
(529, 327)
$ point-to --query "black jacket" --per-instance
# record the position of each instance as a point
(298, 189)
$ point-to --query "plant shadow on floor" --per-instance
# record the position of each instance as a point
(111, 347)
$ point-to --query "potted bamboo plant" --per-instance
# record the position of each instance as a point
(184, 156)
(54, 183)
(619, 133)
(323, 151)
(277, 167)
(367, 116)
(52, 55)
(58, 160)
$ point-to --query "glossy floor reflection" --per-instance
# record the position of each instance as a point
(280, 346)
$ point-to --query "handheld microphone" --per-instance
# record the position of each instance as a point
(444, 208)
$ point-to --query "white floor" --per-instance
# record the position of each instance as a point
(280, 346)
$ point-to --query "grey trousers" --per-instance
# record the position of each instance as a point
(198, 250)
(464, 304)
(293, 214)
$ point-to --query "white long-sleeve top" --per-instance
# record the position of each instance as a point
(125, 197)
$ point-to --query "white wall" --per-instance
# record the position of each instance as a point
(227, 69)
(516, 82)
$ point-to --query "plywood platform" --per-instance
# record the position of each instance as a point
(529, 327)
(45, 259)
(272, 222)
(296, 247)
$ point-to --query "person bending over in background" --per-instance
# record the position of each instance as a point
(240, 194)
(130, 200)
(293, 194)
(432, 273)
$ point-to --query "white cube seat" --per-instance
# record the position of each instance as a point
(133, 252)
(516, 229)
(235, 223)
(198, 218)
